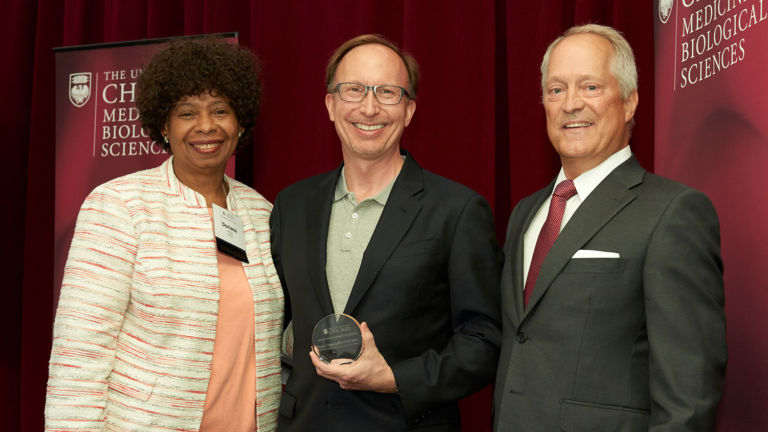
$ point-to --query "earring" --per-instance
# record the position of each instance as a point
(165, 138)
(240, 134)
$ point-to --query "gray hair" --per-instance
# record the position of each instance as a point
(623, 65)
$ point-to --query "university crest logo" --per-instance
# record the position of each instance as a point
(665, 9)
(79, 88)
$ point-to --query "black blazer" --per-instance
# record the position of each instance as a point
(634, 343)
(427, 287)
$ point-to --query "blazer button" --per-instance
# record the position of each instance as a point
(521, 337)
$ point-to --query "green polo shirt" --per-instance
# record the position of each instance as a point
(349, 232)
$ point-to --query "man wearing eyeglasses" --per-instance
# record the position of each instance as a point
(409, 254)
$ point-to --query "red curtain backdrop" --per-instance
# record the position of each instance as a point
(478, 120)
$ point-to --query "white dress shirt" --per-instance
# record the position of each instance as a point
(585, 184)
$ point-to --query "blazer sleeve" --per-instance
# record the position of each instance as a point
(94, 296)
(468, 362)
(684, 300)
(275, 244)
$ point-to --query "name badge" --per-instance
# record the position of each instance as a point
(228, 229)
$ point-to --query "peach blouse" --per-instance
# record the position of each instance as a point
(230, 403)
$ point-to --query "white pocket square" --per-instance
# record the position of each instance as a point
(586, 253)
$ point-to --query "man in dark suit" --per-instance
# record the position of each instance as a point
(409, 254)
(617, 323)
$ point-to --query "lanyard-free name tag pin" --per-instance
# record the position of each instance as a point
(228, 229)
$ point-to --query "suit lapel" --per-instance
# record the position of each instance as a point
(517, 237)
(611, 195)
(319, 204)
(398, 215)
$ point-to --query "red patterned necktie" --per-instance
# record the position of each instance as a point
(563, 192)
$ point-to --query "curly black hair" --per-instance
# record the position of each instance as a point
(192, 67)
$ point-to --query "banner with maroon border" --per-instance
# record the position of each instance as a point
(98, 134)
(712, 133)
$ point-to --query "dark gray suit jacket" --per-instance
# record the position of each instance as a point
(629, 344)
(427, 287)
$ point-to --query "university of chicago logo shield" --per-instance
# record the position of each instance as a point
(79, 88)
(665, 8)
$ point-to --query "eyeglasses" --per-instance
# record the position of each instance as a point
(356, 92)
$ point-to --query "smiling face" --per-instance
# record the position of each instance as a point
(368, 129)
(587, 120)
(203, 134)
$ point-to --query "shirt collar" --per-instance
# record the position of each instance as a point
(342, 191)
(589, 180)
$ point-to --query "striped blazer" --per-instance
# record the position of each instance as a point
(136, 319)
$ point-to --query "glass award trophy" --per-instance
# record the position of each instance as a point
(337, 336)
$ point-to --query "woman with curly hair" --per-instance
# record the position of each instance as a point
(171, 311)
